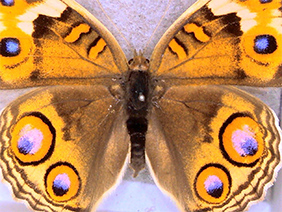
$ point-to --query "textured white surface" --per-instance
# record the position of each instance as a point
(135, 22)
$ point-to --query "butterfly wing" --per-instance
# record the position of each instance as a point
(54, 42)
(223, 152)
(241, 39)
(64, 147)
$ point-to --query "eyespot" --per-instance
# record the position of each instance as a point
(265, 44)
(261, 51)
(212, 183)
(265, 1)
(62, 182)
(10, 47)
(33, 139)
(241, 140)
(7, 2)
(16, 53)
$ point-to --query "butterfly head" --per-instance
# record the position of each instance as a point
(138, 62)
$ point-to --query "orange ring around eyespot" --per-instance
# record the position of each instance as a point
(23, 59)
(26, 125)
(238, 124)
(254, 63)
(248, 41)
(72, 176)
(200, 184)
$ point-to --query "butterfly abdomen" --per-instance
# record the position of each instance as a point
(137, 89)
(137, 128)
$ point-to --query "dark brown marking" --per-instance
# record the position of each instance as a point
(35, 75)
(241, 75)
(42, 26)
(66, 15)
(232, 22)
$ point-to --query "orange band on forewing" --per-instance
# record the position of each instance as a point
(76, 32)
(197, 31)
(99, 47)
(176, 48)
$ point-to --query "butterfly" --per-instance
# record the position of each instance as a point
(211, 147)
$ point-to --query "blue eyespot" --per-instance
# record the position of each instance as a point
(265, 44)
(10, 47)
(61, 184)
(265, 1)
(244, 142)
(31, 141)
(7, 2)
(25, 146)
(214, 186)
(249, 147)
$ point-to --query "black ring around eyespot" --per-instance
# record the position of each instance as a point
(52, 146)
(221, 145)
(62, 197)
(227, 175)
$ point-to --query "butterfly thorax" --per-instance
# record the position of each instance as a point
(137, 89)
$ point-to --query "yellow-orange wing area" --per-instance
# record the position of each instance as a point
(54, 42)
(223, 42)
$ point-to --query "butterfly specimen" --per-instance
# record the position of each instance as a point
(211, 146)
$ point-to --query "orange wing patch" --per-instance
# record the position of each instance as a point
(76, 32)
(98, 46)
(198, 32)
(176, 47)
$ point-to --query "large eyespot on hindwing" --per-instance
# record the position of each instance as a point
(241, 140)
(33, 139)
(212, 183)
(62, 182)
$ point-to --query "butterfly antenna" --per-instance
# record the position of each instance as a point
(156, 28)
(129, 44)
